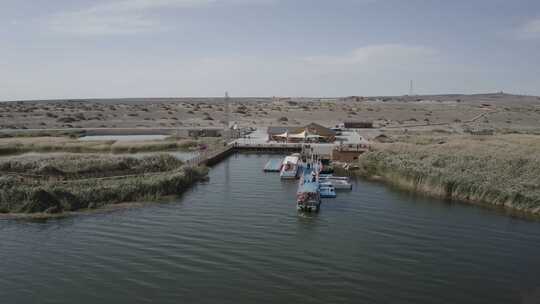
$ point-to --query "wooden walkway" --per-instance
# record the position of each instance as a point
(210, 158)
(268, 147)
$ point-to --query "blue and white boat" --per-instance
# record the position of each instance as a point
(308, 197)
(339, 183)
(327, 190)
(331, 176)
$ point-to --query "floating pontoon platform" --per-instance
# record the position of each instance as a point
(273, 165)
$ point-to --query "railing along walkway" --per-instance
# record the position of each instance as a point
(203, 157)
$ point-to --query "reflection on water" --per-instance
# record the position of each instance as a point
(239, 239)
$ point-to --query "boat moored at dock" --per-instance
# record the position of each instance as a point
(308, 197)
(339, 183)
(290, 167)
(331, 176)
(327, 190)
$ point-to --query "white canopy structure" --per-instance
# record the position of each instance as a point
(284, 135)
(301, 135)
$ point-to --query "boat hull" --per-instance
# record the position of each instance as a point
(338, 183)
(308, 208)
(328, 193)
(289, 176)
(340, 186)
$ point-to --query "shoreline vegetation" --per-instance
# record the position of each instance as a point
(500, 170)
(21, 145)
(59, 184)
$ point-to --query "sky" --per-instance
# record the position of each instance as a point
(62, 49)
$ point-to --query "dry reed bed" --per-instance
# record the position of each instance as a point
(86, 166)
(502, 170)
(11, 146)
(70, 183)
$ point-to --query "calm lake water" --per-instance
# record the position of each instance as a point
(239, 239)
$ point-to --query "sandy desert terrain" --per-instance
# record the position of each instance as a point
(500, 112)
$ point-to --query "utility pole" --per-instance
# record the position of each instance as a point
(411, 89)
(227, 129)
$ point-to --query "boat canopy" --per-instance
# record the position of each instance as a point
(290, 159)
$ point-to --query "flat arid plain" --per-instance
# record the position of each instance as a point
(499, 111)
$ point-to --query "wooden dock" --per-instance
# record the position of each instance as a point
(213, 157)
(268, 147)
(210, 158)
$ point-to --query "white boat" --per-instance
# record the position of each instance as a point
(290, 167)
(330, 176)
(340, 184)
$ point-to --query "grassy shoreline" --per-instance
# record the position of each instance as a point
(502, 171)
(56, 185)
(47, 216)
(16, 146)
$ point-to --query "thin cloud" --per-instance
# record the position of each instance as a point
(376, 54)
(529, 30)
(125, 16)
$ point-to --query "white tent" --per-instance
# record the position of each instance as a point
(301, 135)
(284, 135)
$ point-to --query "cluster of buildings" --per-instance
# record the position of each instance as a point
(295, 134)
(331, 143)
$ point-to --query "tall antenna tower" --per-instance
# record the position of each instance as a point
(227, 115)
(411, 88)
(227, 111)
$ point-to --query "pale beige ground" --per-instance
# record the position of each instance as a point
(502, 112)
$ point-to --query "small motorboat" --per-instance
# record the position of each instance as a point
(331, 176)
(290, 167)
(340, 184)
(327, 190)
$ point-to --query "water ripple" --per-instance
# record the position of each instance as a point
(239, 239)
